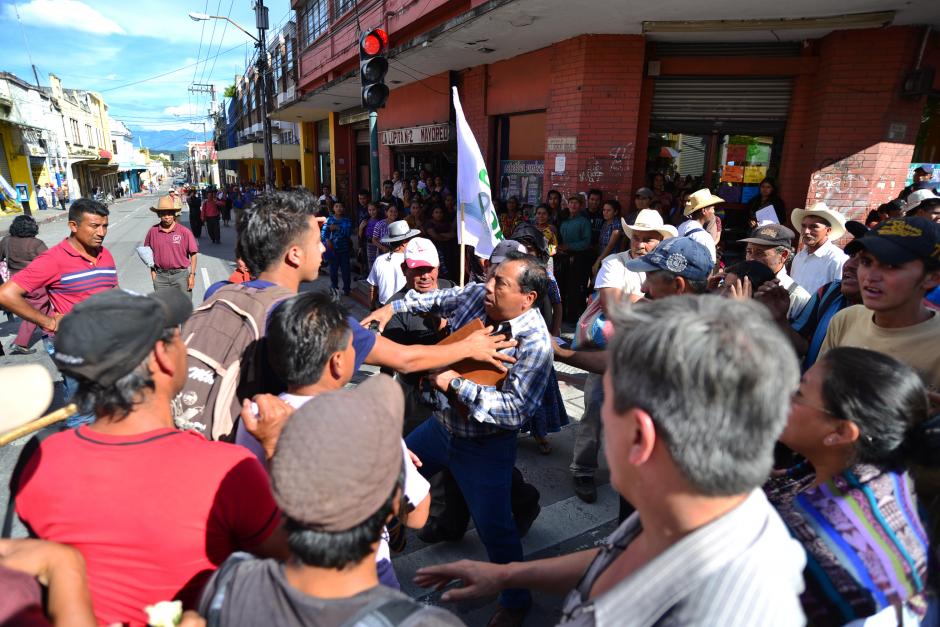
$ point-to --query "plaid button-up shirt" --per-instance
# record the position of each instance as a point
(492, 410)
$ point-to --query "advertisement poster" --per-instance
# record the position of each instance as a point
(748, 192)
(755, 173)
(737, 153)
(522, 179)
(732, 174)
(758, 154)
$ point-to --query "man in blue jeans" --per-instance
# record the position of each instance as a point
(473, 430)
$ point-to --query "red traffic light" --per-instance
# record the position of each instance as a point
(374, 42)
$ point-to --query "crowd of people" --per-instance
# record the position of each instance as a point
(768, 411)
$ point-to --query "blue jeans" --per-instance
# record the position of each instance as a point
(339, 261)
(69, 387)
(482, 469)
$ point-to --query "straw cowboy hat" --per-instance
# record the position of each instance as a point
(699, 200)
(649, 220)
(835, 219)
(166, 203)
(399, 231)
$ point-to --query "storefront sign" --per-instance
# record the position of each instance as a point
(430, 134)
(560, 161)
(522, 179)
(562, 144)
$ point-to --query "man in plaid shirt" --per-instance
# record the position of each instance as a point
(480, 450)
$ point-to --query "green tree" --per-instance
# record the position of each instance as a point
(229, 91)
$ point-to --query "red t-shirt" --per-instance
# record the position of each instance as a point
(171, 249)
(153, 514)
(68, 277)
(210, 208)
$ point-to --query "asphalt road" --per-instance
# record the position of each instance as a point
(565, 523)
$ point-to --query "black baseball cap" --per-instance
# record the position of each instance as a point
(106, 336)
(899, 240)
(771, 235)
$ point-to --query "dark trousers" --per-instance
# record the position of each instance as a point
(573, 272)
(212, 226)
(195, 224)
(482, 468)
(340, 263)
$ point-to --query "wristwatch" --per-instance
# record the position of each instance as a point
(455, 384)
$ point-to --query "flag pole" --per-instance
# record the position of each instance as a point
(463, 248)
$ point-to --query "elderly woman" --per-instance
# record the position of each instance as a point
(859, 419)
(18, 249)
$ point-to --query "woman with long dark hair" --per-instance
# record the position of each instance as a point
(768, 194)
(18, 249)
(860, 420)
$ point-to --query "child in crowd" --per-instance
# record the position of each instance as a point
(336, 233)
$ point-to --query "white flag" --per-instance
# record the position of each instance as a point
(479, 224)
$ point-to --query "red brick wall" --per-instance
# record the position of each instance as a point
(595, 97)
(837, 147)
(472, 89)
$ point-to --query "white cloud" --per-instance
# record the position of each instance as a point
(184, 110)
(71, 14)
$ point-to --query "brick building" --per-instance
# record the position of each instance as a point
(571, 96)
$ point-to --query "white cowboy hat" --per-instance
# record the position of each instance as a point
(699, 200)
(399, 231)
(835, 219)
(916, 198)
(649, 220)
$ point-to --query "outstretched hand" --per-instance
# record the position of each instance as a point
(480, 579)
(483, 346)
(266, 425)
(382, 316)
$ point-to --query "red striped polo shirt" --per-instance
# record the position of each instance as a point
(67, 276)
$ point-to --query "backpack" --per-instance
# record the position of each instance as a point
(224, 358)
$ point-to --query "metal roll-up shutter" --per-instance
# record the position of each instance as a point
(728, 105)
(692, 151)
(4, 165)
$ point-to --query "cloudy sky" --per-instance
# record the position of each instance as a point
(103, 45)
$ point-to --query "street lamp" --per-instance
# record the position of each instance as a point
(261, 22)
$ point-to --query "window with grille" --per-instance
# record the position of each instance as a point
(314, 20)
(342, 6)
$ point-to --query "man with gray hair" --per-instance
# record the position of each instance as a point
(690, 441)
(772, 245)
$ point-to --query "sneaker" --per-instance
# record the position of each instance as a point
(585, 489)
(21, 350)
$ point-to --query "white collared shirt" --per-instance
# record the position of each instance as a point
(694, 230)
(813, 270)
(798, 296)
(615, 274)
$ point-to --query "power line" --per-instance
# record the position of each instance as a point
(179, 69)
(222, 38)
(215, 24)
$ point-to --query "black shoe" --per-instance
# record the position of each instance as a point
(433, 532)
(19, 350)
(524, 521)
(585, 489)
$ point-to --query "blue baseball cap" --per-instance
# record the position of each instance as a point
(680, 255)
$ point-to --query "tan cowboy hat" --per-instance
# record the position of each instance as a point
(27, 391)
(166, 203)
(835, 219)
(699, 200)
(649, 220)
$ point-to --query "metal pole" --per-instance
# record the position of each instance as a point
(374, 155)
(261, 20)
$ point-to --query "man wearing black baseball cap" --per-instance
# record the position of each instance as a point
(772, 245)
(152, 509)
(899, 262)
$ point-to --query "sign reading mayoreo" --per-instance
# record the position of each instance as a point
(430, 134)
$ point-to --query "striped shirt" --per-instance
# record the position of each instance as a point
(492, 410)
(742, 569)
(866, 546)
(68, 276)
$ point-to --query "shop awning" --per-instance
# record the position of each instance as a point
(256, 151)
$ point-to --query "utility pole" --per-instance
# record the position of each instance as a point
(203, 88)
(261, 21)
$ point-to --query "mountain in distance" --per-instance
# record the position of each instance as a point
(165, 141)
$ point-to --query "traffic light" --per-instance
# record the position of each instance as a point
(373, 66)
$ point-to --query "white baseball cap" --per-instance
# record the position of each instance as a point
(420, 252)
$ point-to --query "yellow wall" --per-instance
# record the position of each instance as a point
(19, 165)
(308, 151)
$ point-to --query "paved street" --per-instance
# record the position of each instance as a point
(565, 522)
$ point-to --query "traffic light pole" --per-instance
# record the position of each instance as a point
(374, 155)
